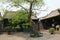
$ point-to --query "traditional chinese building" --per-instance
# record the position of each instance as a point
(51, 20)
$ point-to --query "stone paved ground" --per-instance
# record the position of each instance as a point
(25, 36)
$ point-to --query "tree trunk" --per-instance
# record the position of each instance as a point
(34, 26)
(30, 11)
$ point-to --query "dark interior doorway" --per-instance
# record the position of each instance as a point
(5, 22)
(47, 23)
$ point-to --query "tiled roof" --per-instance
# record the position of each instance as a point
(9, 14)
(52, 14)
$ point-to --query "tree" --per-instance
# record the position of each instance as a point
(32, 3)
(18, 16)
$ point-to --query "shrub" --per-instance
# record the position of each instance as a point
(26, 27)
(10, 29)
(52, 30)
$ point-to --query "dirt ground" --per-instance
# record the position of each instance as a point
(25, 36)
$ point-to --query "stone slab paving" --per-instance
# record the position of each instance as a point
(25, 36)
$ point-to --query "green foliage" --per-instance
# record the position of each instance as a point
(26, 26)
(9, 28)
(18, 16)
(24, 17)
(35, 2)
(51, 30)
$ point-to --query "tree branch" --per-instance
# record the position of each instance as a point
(38, 10)
(20, 6)
(23, 8)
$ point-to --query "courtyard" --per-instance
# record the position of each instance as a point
(25, 36)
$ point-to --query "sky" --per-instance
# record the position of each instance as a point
(50, 5)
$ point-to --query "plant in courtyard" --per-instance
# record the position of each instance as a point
(32, 4)
(26, 26)
(52, 30)
(9, 29)
(20, 19)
